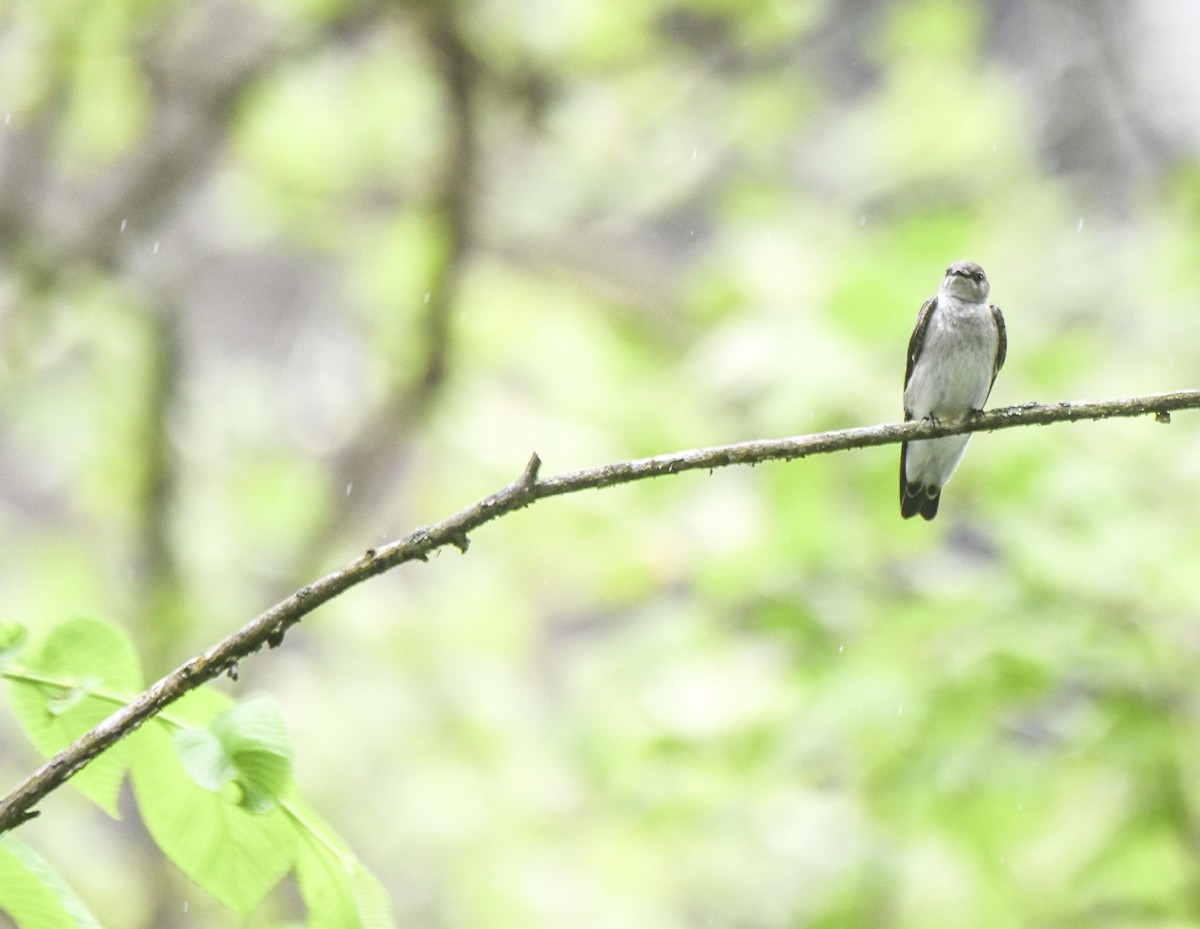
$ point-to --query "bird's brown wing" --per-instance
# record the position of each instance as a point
(1001, 346)
(910, 505)
(917, 341)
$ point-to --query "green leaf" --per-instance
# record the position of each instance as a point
(234, 854)
(338, 891)
(34, 896)
(84, 672)
(255, 738)
(62, 703)
(204, 758)
(12, 641)
(247, 744)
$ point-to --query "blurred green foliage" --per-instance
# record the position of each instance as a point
(282, 281)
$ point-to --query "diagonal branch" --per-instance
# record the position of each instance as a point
(269, 627)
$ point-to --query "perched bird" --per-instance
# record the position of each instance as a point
(954, 355)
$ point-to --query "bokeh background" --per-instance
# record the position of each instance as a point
(284, 279)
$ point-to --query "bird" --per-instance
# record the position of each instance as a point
(956, 350)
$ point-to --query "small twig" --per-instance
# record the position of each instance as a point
(269, 627)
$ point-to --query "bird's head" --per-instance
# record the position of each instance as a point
(965, 280)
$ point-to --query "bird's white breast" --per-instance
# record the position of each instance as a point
(953, 372)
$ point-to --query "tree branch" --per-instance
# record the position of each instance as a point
(269, 627)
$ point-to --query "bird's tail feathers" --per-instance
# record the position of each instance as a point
(918, 498)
